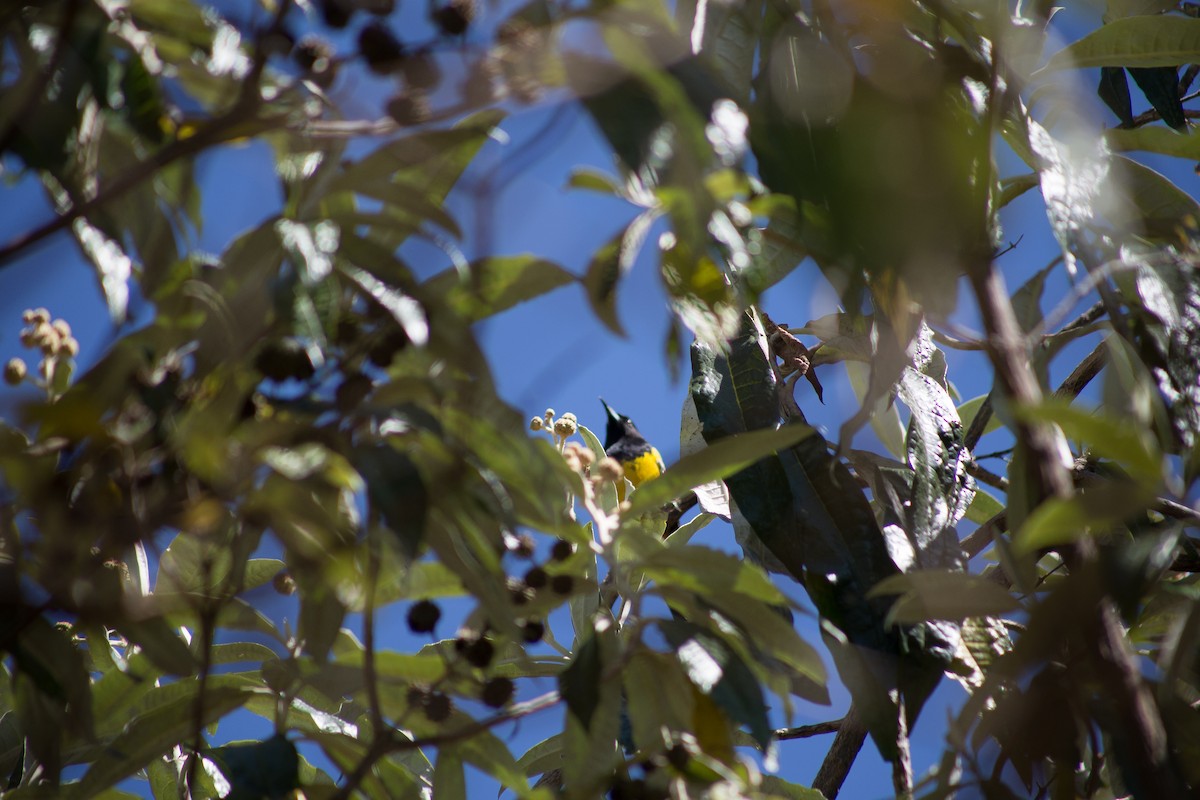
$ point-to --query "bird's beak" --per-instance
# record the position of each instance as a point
(611, 414)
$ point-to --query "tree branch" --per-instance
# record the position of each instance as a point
(1147, 764)
(840, 758)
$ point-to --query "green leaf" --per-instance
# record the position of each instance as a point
(939, 594)
(407, 312)
(162, 719)
(1155, 139)
(715, 462)
(970, 408)
(161, 644)
(983, 507)
(1114, 91)
(941, 488)
(593, 180)
(497, 284)
(658, 698)
(579, 683)
(543, 756)
(716, 670)
(1149, 204)
(1143, 41)
(1160, 85)
(448, 775)
(321, 615)
(703, 570)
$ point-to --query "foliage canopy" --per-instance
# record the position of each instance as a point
(303, 394)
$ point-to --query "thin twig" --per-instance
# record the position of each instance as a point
(956, 344)
(808, 731)
(979, 423)
(375, 708)
(1083, 373)
(987, 476)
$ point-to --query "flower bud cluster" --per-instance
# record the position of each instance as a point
(52, 337)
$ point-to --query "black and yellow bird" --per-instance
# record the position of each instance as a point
(624, 442)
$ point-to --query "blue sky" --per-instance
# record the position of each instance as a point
(547, 353)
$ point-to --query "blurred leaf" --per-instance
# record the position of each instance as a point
(703, 570)
(543, 756)
(161, 645)
(408, 313)
(321, 615)
(163, 718)
(448, 776)
(1118, 439)
(609, 265)
(497, 284)
(938, 594)
(1155, 139)
(1074, 182)
(267, 769)
(593, 180)
(714, 462)
(1142, 41)
(579, 684)
(1154, 206)
(397, 492)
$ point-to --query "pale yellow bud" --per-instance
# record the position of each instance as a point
(15, 371)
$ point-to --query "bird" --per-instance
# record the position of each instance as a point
(624, 442)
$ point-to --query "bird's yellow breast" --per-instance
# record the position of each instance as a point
(647, 466)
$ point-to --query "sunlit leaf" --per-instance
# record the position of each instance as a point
(1142, 41)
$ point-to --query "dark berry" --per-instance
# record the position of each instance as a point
(347, 331)
(380, 48)
(337, 13)
(533, 631)
(312, 54)
(283, 359)
(423, 616)
(520, 595)
(678, 756)
(497, 692)
(562, 550)
(351, 391)
(479, 652)
(420, 71)
(524, 546)
(417, 696)
(455, 17)
(628, 789)
(383, 351)
(536, 578)
(284, 583)
(380, 8)
(562, 584)
(437, 707)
